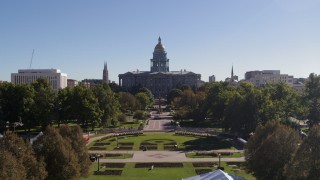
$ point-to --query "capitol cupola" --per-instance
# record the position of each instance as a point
(159, 62)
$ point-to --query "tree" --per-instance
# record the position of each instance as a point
(143, 100)
(173, 93)
(242, 110)
(305, 164)
(270, 149)
(10, 168)
(16, 102)
(43, 107)
(108, 103)
(63, 105)
(139, 115)
(127, 101)
(60, 158)
(115, 87)
(217, 99)
(85, 107)
(148, 93)
(23, 154)
(313, 98)
(73, 135)
(281, 102)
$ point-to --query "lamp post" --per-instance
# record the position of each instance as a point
(98, 157)
(219, 160)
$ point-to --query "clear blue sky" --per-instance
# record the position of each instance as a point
(206, 36)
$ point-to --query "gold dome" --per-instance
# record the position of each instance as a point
(159, 46)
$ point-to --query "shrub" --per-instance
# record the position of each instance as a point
(122, 118)
(139, 115)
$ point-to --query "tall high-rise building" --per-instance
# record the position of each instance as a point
(105, 77)
(55, 78)
(212, 78)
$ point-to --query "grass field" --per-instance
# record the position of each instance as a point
(210, 155)
(129, 172)
(161, 139)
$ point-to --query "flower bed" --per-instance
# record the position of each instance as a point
(168, 147)
(113, 165)
(235, 163)
(202, 171)
(162, 165)
(170, 143)
(151, 147)
(112, 155)
(126, 144)
(123, 148)
(97, 148)
(101, 144)
(204, 164)
(108, 172)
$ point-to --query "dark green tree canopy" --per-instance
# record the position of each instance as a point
(305, 164)
(270, 149)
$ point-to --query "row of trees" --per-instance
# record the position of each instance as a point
(57, 154)
(275, 151)
(39, 105)
(241, 108)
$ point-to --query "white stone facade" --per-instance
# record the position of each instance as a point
(261, 78)
(56, 79)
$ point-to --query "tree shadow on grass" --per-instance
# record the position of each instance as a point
(207, 143)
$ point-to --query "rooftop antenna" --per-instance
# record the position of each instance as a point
(31, 59)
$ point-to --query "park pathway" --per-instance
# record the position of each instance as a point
(163, 156)
(158, 126)
(159, 123)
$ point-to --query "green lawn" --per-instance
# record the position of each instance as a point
(122, 156)
(131, 173)
(184, 142)
(196, 155)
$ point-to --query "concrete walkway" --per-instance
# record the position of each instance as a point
(163, 156)
(158, 125)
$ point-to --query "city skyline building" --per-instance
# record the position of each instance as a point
(55, 77)
(261, 78)
(212, 78)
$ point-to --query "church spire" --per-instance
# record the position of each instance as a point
(105, 76)
(232, 77)
(159, 40)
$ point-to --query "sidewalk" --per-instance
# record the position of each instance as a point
(163, 156)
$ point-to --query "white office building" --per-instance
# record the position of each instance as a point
(56, 79)
(261, 78)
